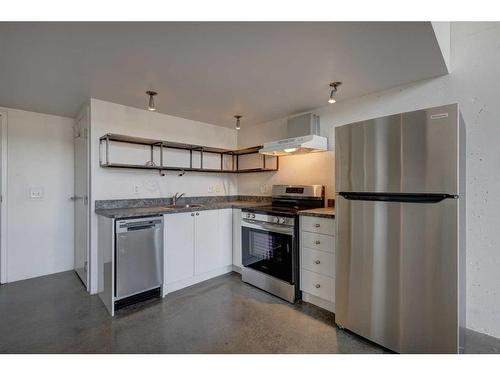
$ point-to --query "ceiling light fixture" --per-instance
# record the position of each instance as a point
(151, 104)
(238, 125)
(334, 86)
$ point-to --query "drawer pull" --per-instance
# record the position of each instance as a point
(317, 242)
(317, 286)
(192, 214)
(317, 225)
(317, 261)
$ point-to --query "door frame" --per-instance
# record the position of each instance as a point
(3, 193)
(85, 110)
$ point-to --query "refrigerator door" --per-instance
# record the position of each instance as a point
(413, 152)
(397, 273)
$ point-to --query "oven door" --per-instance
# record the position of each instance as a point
(268, 248)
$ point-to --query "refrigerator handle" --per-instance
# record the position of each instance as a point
(397, 197)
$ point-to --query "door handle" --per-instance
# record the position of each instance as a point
(317, 225)
(317, 261)
(317, 286)
(317, 242)
(75, 198)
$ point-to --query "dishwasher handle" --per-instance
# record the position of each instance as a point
(130, 225)
(141, 227)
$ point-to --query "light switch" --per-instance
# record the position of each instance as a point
(36, 193)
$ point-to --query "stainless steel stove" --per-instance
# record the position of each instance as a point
(270, 241)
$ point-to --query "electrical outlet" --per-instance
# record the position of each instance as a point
(218, 188)
(36, 193)
(210, 188)
(135, 189)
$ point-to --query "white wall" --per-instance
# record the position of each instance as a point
(109, 183)
(39, 232)
(315, 168)
(473, 83)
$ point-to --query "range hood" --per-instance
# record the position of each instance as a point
(297, 145)
(303, 137)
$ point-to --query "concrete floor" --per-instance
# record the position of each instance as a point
(54, 314)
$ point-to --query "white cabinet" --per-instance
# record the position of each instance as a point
(206, 241)
(179, 246)
(198, 246)
(237, 238)
(317, 225)
(317, 261)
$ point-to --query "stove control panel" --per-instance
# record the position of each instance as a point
(250, 216)
(279, 220)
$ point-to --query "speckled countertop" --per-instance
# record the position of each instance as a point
(328, 212)
(206, 204)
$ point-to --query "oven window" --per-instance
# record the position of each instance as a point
(268, 252)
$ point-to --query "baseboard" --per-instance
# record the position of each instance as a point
(181, 284)
(236, 269)
(320, 302)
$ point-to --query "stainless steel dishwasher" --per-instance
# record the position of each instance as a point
(138, 259)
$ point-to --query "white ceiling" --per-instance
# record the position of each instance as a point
(209, 71)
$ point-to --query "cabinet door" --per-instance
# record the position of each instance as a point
(206, 241)
(237, 237)
(179, 246)
(225, 237)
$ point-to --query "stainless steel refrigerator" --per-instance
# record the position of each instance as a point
(400, 241)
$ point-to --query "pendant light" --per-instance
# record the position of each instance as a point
(238, 125)
(334, 86)
(151, 104)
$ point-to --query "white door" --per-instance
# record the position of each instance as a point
(206, 242)
(179, 246)
(225, 237)
(81, 197)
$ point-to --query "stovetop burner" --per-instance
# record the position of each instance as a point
(288, 200)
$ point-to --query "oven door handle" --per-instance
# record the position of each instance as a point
(268, 227)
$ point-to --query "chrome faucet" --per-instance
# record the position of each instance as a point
(177, 196)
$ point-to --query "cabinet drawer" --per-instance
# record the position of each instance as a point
(318, 225)
(317, 241)
(318, 261)
(318, 285)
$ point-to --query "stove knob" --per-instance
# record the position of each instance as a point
(253, 216)
(282, 220)
(276, 219)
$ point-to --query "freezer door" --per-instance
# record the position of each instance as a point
(397, 273)
(413, 152)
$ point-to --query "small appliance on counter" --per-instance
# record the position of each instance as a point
(269, 236)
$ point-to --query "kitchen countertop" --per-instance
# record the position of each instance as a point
(328, 212)
(117, 213)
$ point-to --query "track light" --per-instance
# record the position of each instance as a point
(334, 86)
(151, 104)
(238, 125)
